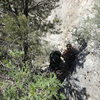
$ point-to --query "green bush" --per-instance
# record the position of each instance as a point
(44, 88)
(22, 84)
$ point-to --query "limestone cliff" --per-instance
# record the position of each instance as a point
(72, 13)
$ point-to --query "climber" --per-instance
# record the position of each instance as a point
(69, 56)
(55, 60)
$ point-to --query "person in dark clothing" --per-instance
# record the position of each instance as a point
(56, 65)
(69, 56)
(55, 60)
(60, 68)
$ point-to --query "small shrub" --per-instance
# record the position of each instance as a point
(45, 88)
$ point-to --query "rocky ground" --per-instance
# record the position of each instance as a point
(85, 82)
(89, 75)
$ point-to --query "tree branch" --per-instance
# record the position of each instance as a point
(9, 8)
(26, 8)
(37, 5)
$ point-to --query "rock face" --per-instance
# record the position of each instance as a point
(70, 12)
(86, 80)
(88, 74)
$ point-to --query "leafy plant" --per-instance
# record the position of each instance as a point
(45, 88)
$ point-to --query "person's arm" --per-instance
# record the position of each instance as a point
(64, 53)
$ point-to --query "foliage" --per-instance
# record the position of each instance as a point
(97, 13)
(23, 23)
(22, 84)
(45, 88)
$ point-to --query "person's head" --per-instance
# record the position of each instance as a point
(69, 46)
